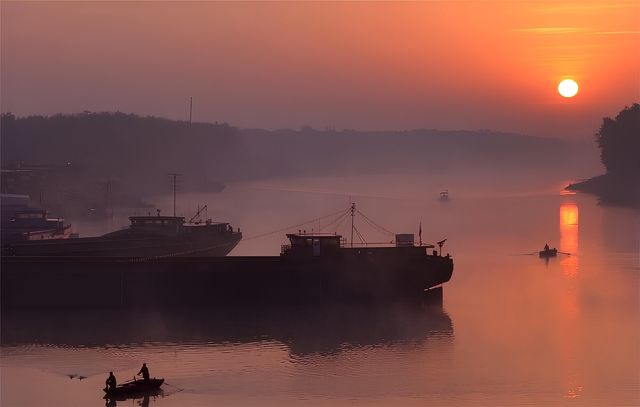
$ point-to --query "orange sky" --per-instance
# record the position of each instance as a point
(447, 65)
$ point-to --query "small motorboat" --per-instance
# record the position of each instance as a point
(135, 387)
(546, 253)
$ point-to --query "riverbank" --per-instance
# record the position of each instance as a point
(611, 189)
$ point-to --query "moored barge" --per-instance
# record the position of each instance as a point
(312, 267)
(146, 236)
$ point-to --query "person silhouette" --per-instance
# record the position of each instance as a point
(111, 381)
(546, 247)
(144, 371)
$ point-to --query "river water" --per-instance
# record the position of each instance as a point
(512, 329)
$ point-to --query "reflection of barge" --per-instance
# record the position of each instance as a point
(327, 328)
(313, 267)
(147, 236)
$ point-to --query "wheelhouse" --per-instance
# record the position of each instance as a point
(314, 243)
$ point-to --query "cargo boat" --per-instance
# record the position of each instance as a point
(311, 268)
(33, 224)
(146, 236)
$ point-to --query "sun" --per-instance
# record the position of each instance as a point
(568, 88)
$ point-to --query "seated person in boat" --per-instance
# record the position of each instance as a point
(111, 381)
(144, 371)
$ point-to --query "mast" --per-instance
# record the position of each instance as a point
(190, 109)
(175, 176)
(353, 214)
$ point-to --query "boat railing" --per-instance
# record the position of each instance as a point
(347, 245)
(287, 247)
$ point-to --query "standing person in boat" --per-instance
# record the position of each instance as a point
(546, 247)
(111, 381)
(144, 371)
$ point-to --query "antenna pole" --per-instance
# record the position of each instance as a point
(190, 109)
(353, 214)
(175, 176)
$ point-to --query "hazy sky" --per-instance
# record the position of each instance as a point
(446, 65)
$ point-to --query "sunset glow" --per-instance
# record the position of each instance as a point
(327, 203)
(355, 65)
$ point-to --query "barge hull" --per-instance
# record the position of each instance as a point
(125, 282)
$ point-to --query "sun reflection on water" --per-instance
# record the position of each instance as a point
(569, 217)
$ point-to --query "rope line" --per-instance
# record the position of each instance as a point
(374, 224)
(340, 214)
(294, 226)
(340, 217)
(343, 220)
(359, 235)
(336, 221)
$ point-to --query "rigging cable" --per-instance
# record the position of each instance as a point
(372, 223)
(359, 235)
(336, 221)
(340, 213)
(294, 226)
(342, 221)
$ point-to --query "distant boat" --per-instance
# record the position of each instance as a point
(34, 224)
(444, 195)
(135, 388)
(546, 253)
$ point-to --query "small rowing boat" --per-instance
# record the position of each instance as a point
(135, 387)
(548, 253)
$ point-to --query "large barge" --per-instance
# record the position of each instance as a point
(313, 267)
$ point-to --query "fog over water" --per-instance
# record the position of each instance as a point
(278, 116)
(513, 329)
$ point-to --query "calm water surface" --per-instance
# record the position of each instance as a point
(512, 329)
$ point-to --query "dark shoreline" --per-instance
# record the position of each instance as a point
(611, 189)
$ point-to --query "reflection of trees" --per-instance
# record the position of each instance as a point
(619, 142)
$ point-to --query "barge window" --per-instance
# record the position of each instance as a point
(331, 242)
(30, 216)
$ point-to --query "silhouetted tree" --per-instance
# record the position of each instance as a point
(619, 142)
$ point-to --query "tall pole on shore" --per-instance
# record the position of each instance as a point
(190, 109)
(353, 214)
(175, 180)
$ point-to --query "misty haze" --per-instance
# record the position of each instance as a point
(368, 204)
